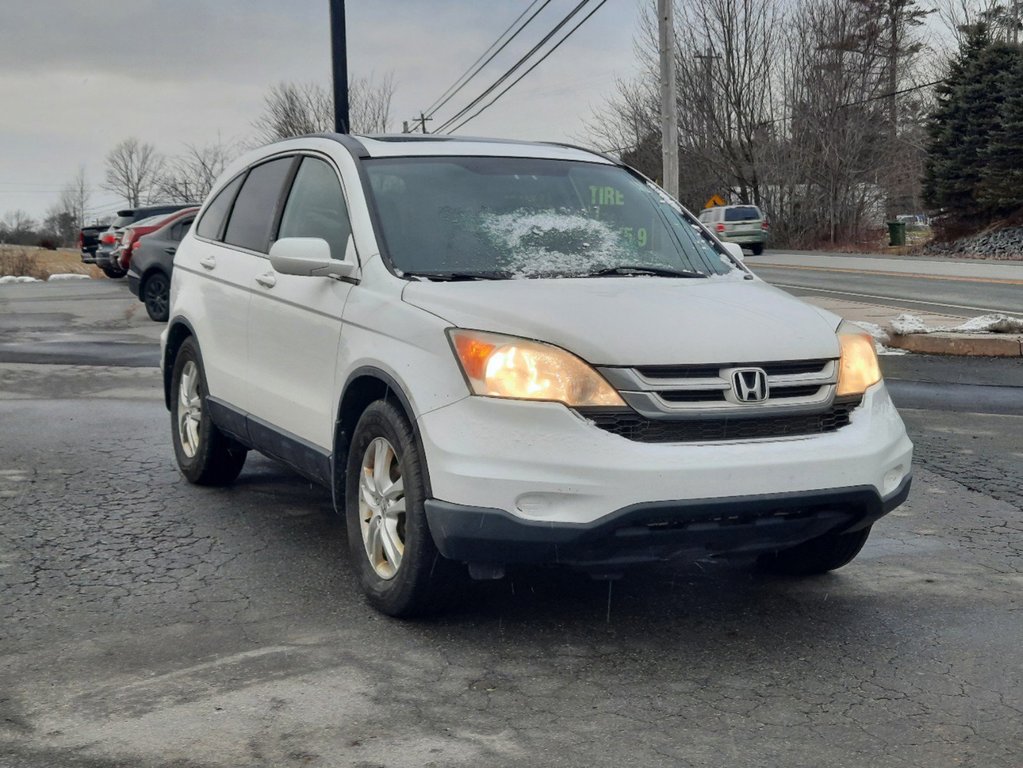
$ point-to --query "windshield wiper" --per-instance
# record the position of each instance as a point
(451, 277)
(626, 269)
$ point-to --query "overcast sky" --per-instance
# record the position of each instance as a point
(77, 76)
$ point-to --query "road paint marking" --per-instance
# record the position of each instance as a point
(849, 270)
(898, 300)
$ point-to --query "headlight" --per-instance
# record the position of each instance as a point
(505, 366)
(858, 367)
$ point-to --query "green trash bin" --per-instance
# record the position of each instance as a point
(896, 233)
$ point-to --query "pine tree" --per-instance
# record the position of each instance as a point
(1001, 190)
(962, 125)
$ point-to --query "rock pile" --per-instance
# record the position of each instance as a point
(998, 244)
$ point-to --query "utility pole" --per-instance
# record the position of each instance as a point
(339, 58)
(409, 125)
(669, 112)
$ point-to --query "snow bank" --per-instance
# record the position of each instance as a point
(7, 279)
(881, 338)
(995, 323)
(67, 276)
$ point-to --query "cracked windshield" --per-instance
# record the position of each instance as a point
(524, 218)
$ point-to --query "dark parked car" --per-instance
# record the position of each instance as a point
(88, 241)
(149, 273)
(111, 239)
(135, 232)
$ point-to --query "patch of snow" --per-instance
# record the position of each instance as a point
(879, 333)
(994, 323)
(67, 276)
(991, 324)
(7, 279)
(881, 338)
(907, 323)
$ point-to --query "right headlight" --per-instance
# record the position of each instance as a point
(858, 368)
(505, 366)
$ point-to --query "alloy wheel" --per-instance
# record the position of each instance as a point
(382, 508)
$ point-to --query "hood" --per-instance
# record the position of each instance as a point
(636, 321)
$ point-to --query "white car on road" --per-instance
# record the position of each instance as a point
(500, 352)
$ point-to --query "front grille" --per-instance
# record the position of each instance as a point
(703, 391)
(634, 426)
(787, 368)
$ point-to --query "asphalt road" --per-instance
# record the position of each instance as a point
(153, 624)
(921, 290)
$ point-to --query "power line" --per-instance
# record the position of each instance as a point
(534, 66)
(452, 89)
(508, 73)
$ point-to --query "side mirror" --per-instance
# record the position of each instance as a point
(734, 250)
(310, 257)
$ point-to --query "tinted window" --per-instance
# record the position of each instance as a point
(253, 213)
(742, 213)
(121, 221)
(316, 207)
(212, 222)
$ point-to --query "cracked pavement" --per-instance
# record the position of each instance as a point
(153, 624)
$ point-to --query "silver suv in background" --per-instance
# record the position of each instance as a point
(743, 224)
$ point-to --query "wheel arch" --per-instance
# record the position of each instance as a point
(364, 386)
(178, 330)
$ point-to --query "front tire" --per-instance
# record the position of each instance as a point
(205, 455)
(816, 556)
(156, 296)
(392, 550)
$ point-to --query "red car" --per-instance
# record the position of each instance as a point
(132, 234)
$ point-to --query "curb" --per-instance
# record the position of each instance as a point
(964, 344)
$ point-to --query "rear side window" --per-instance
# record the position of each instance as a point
(253, 214)
(212, 222)
(178, 231)
(316, 207)
(742, 213)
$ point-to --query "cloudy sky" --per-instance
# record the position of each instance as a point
(77, 76)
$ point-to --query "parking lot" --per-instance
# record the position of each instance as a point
(150, 623)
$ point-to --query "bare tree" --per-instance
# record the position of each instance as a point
(189, 177)
(297, 109)
(133, 168)
(74, 198)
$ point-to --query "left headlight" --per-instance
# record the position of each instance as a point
(858, 366)
(505, 366)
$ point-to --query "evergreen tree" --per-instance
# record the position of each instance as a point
(1001, 190)
(967, 116)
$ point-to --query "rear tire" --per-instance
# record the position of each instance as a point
(816, 556)
(205, 455)
(155, 293)
(113, 272)
(399, 568)
(757, 249)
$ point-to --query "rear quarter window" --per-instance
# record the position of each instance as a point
(212, 222)
(252, 216)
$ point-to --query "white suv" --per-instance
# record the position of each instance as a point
(497, 352)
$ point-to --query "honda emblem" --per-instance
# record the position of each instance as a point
(750, 385)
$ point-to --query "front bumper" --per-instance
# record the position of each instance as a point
(658, 530)
(544, 465)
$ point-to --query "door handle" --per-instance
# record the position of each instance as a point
(208, 262)
(267, 280)
(171, 250)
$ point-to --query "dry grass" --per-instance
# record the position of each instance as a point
(27, 261)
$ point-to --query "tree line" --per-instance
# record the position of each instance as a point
(138, 173)
(830, 114)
